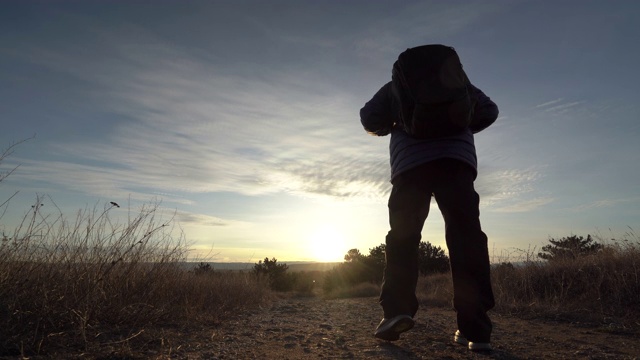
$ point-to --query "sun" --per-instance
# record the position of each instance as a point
(327, 244)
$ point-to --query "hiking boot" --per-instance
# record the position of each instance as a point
(390, 329)
(458, 338)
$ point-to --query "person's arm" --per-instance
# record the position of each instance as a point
(376, 115)
(485, 111)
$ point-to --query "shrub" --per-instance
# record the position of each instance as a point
(358, 268)
(570, 247)
(353, 255)
(432, 259)
(276, 274)
(203, 269)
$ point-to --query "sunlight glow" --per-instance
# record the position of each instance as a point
(327, 244)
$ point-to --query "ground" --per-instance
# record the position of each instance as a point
(315, 328)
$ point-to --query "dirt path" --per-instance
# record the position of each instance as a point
(313, 328)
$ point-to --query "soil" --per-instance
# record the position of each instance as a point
(315, 328)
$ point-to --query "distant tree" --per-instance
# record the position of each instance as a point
(358, 268)
(376, 258)
(203, 268)
(372, 265)
(269, 267)
(432, 259)
(568, 248)
(274, 272)
(353, 255)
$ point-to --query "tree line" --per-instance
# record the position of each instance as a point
(360, 268)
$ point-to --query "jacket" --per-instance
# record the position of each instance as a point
(378, 118)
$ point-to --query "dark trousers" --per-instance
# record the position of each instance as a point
(451, 183)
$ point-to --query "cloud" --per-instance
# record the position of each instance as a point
(188, 218)
(563, 107)
(185, 122)
(559, 106)
(511, 190)
(498, 185)
(525, 206)
(548, 103)
(191, 127)
(605, 203)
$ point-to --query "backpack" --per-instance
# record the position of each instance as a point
(433, 93)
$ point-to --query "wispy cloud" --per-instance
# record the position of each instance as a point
(512, 190)
(558, 106)
(193, 128)
(185, 123)
(549, 103)
(526, 205)
(563, 107)
(498, 185)
(184, 218)
(605, 203)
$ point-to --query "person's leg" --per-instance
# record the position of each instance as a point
(408, 209)
(468, 250)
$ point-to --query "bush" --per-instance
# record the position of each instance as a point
(358, 268)
(276, 274)
(203, 269)
(432, 259)
(570, 247)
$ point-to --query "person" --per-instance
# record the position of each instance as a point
(445, 167)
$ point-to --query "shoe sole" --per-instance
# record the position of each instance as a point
(393, 333)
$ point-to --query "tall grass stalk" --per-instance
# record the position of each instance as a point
(94, 281)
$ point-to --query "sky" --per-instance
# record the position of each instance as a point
(241, 118)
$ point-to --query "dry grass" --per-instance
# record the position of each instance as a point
(94, 283)
(435, 290)
(597, 288)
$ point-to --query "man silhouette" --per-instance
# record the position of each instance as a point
(443, 166)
